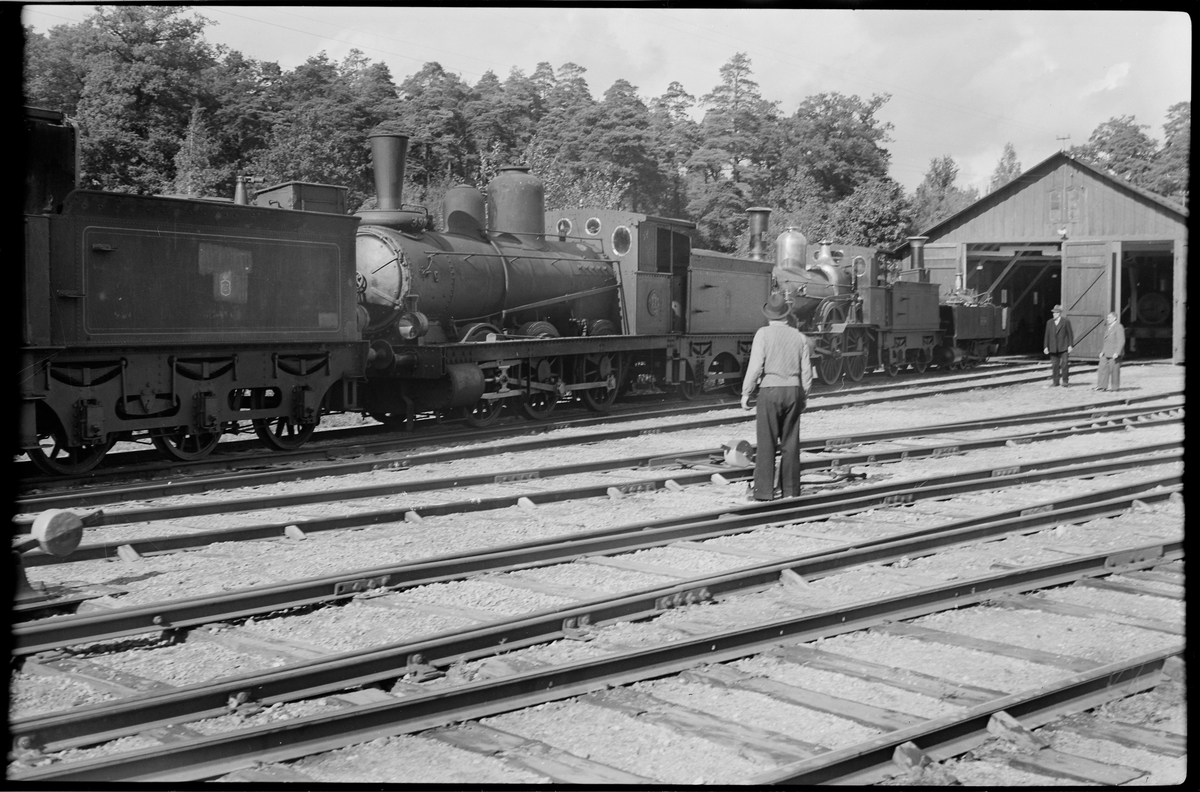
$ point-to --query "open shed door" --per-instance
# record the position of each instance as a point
(1087, 292)
(942, 262)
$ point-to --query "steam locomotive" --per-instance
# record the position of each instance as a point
(184, 319)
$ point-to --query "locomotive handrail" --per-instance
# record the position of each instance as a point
(551, 301)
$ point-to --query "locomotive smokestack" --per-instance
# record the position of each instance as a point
(758, 228)
(917, 243)
(388, 150)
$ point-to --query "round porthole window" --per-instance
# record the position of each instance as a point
(564, 227)
(622, 240)
(592, 226)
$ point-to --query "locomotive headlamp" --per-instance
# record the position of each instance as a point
(412, 324)
(592, 226)
(564, 227)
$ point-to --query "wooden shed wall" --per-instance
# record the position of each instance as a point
(1063, 196)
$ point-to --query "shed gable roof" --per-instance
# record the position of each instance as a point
(1034, 174)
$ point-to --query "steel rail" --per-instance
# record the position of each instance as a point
(942, 738)
(387, 446)
(173, 542)
(164, 489)
(322, 676)
(59, 631)
(211, 756)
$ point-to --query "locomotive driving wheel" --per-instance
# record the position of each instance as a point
(601, 367)
(177, 444)
(282, 433)
(54, 458)
(855, 356)
(484, 412)
(540, 402)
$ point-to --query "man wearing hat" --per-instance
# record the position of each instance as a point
(1060, 340)
(780, 368)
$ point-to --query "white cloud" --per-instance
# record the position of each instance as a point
(1114, 78)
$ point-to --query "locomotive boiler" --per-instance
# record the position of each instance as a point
(491, 275)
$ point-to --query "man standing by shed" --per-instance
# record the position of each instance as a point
(1109, 375)
(1060, 340)
(779, 356)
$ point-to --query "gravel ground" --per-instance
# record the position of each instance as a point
(645, 749)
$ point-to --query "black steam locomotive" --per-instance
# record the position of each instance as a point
(182, 319)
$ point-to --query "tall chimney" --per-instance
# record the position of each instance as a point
(758, 228)
(388, 151)
(917, 244)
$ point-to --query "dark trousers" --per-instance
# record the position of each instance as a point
(1059, 365)
(778, 430)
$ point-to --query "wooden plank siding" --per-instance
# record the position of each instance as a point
(1101, 210)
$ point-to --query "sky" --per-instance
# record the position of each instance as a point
(962, 83)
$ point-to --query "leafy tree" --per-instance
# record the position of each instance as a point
(720, 207)
(937, 197)
(1169, 174)
(875, 214)
(837, 140)
(56, 65)
(143, 69)
(1120, 148)
(1007, 169)
(567, 186)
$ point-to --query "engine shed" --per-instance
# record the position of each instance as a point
(1066, 233)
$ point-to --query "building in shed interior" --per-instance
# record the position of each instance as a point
(1064, 232)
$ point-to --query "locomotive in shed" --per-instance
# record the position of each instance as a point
(180, 320)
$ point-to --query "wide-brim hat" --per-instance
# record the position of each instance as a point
(776, 307)
(1056, 309)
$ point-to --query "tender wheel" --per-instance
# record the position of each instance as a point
(283, 434)
(829, 369)
(540, 403)
(921, 364)
(485, 413)
(892, 369)
(53, 458)
(599, 368)
(177, 444)
(392, 420)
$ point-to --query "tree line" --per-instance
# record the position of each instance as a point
(161, 110)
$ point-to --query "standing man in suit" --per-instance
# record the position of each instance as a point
(1110, 354)
(779, 355)
(1060, 340)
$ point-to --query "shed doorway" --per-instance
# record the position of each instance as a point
(1145, 293)
(1024, 278)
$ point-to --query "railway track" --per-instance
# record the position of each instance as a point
(507, 682)
(436, 629)
(357, 441)
(675, 470)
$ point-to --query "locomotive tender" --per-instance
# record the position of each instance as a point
(182, 319)
(175, 318)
